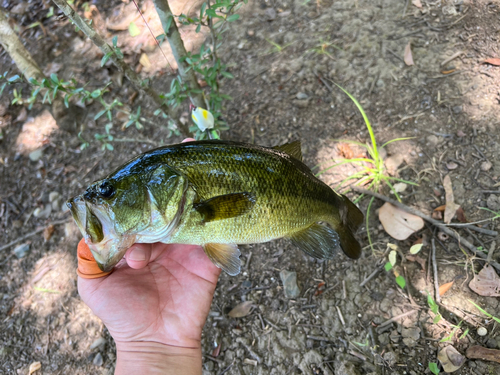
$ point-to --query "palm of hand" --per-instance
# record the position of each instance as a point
(167, 301)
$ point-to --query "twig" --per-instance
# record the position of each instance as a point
(227, 368)
(6, 246)
(340, 316)
(441, 226)
(490, 253)
(435, 269)
(249, 349)
(473, 227)
(318, 338)
(393, 319)
(372, 275)
(454, 56)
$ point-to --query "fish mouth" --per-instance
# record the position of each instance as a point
(98, 231)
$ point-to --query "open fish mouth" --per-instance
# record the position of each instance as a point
(98, 232)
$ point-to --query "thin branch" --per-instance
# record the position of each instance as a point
(30, 234)
(441, 226)
(434, 268)
(119, 62)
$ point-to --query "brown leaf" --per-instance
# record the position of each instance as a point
(48, 232)
(486, 282)
(345, 150)
(408, 57)
(241, 310)
(478, 352)
(398, 223)
(440, 208)
(461, 215)
(445, 287)
(451, 207)
(492, 61)
(35, 366)
(419, 260)
(450, 359)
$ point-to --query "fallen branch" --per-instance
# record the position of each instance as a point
(434, 268)
(441, 226)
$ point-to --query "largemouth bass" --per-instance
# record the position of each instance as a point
(216, 194)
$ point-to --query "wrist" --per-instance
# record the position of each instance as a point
(143, 357)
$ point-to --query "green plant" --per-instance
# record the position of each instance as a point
(322, 48)
(452, 333)
(434, 368)
(400, 280)
(372, 167)
(276, 47)
(434, 308)
(486, 313)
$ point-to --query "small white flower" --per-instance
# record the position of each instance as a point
(202, 118)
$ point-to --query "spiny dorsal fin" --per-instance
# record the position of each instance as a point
(293, 149)
(224, 256)
(318, 241)
(225, 206)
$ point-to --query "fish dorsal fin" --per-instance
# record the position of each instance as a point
(225, 206)
(224, 256)
(318, 241)
(293, 149)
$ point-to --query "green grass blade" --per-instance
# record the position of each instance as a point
(396, 139)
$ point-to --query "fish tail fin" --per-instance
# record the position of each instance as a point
(350, 220)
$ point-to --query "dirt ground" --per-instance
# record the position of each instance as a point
(285, 56)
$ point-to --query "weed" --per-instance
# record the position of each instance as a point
(434, 308)
(486, 313)
(276, 47)
(434, 368)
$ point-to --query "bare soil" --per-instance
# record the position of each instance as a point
(285, 56)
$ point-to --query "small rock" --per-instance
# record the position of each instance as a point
(289, 279)
(301, 96)
(460, 134)
(400, 187)
(481, 331)
(432, 140)
(36, 155)
(393, 162)
(457, 109)
(22, 250)
(409, 342)
(53, 195)
(486, 166)
(412, 333)
(98, 361)
(493, 203)
(250, 32)
(451, 165)
(17, 224)
(301, 103)
(270, 14)
(42, 213)
(450, 359)
(98, 343)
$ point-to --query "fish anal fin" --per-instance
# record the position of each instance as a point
(225, 206)
(293, 149)
(224, 256)
(318, 241)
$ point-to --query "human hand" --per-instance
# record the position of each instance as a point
(154, 305)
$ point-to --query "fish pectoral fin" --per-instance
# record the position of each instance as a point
(318, 241)
(293, 149)
(225, 206)
(224, 256)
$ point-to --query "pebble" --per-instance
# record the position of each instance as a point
(36, 155)
(493, 203)
(289, 279)
(56, 200)
(412, 333)
(301, 96)
(100, 342)
(432, 140)
(270, 14)
(42, 213)
(98, 361)
(301, 103)
(393, 162)
(481, 331)
(486, 166)
(457, 109)
(22, 250)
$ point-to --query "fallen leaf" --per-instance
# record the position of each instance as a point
(440, 208)
(144, 61)
(417, 3)
(461, 215)
(35, 366)
(408, 57)
(133, 29)
(445, 287)
(392, 257)
(486, 282)
(416, 248)
(392, 163)
(241, 310)
(478, 352)
(419, 260)
(345, 150)
(398, 223)
(437, 215)
(450, 359)
(492, 61)
(451, 207)
(48, 232)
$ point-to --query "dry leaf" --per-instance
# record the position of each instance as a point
(34, 367)
(398, 223)
(451, 207)
(445, 287)
(241, 310)
(440, 208)
(493, 61)
(416, 258)
(345, 150)
(408, 57)
(417, 3)
(450, 359)
(144, 61)
(48, 232)
(461, 215)
(478, 352)
(392, 257)
(486, 282)
(416, 248)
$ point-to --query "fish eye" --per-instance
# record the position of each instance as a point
(106, 190)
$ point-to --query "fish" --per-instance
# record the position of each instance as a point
(217, 194)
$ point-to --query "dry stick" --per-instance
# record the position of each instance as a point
(108, 50)
(372, 275)
(441, 226)
(393, 319)
(6, 246)
(435, 269)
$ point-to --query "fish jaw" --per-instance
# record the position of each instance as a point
(111, 249)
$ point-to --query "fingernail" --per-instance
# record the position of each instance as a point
(137, 254)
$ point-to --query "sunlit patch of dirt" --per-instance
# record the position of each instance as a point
(36, 132)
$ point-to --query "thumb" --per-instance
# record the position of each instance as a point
(138, 255)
